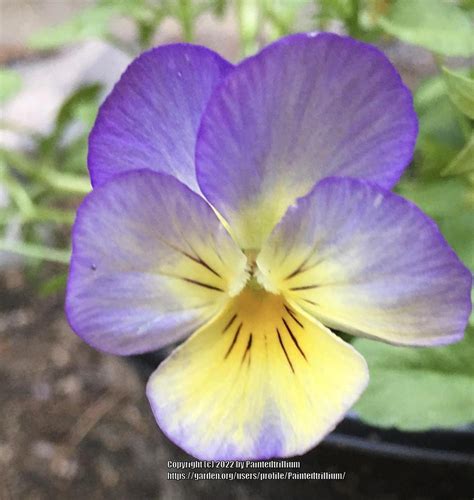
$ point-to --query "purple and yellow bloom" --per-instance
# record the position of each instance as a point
(248, 208)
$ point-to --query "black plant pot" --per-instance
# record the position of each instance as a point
(449, 446)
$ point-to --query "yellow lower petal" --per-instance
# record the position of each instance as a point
(259, 381)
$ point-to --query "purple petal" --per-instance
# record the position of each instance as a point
(151, 262)
(150, 119)
(366, 261)
(304, 108)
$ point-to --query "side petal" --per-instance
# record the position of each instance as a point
(366, 261)
(151, 262)
(305, 108)
(150, 119)
(260, 381)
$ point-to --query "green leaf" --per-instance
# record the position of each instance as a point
(67, 183)
(80, 106)
(55, 284)
(248, 15)
(282, 15)
(73, 158)
(21, 162)
(10, 84)
(438, 198)
(471, 319)
(463, 163)
(92, 22)
(36, 251)
(460, 91)
(458, 230)
(437, 25)
(335, 9)
(218, 7)
(440, 134)
(429, 92)
(450, 202)
(416, 389)
(139, 10)
(440, 122)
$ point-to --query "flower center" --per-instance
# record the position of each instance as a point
(256, 280)
(253, 282)
(258, 324)
(251, 255)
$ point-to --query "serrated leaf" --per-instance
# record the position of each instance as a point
(437, 25)
(10, 84)
(463, 163)
(460, 91)
(417, 389)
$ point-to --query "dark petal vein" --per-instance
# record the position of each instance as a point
(306, 287)
(229, 324)
(200, 261)
(234, 340)
(293, 315)
(247, 350)
(284, 350)
(293, 338)
(204, 285)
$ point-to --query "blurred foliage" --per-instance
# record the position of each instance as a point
(146, 16)
(90, 23)
(463, 162)
(45, 183)
(460, 91)
(10, 84)
(437, 25)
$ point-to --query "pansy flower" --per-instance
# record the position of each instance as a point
(248, 208)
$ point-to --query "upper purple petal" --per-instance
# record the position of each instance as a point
(150, 119)
(304, 108)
